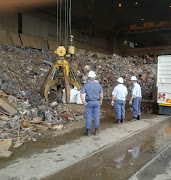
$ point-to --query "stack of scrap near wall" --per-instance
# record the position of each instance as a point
(29, 68)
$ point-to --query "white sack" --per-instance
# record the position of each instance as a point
(73, 94)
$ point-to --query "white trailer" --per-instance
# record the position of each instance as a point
(164, 84)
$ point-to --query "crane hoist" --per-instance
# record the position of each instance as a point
(61, 74)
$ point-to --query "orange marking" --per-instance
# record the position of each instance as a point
(168, 100)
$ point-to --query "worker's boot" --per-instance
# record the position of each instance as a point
(96, 131)
(122, 120)
(88, 132)
(133, 119)
(139, 117)
(118, 121)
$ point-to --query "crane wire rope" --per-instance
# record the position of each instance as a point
(68, 27)
(57, 28)
(60, 30)
(70, 8)
(65, 23)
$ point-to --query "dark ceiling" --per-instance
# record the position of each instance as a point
(104, 15)
(107, 16)
(15, 5)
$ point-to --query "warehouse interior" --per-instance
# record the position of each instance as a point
(47, 50)
(124, 27)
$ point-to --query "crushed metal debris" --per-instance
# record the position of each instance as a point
(24, 113)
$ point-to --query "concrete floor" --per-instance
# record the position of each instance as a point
(53, 160)
(122, 159)
(157, 169)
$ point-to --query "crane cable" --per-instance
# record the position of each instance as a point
(60, 30)
(70, 8)
(65, 22)
(68, 31)
(57, 31)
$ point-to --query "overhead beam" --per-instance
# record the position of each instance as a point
(12, 5)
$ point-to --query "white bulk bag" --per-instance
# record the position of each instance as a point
(73, 94)
(63, 96)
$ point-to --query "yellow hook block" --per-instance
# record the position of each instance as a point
(60, 51)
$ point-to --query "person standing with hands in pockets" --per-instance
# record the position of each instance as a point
(92, 102)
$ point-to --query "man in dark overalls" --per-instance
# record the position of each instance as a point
(92, 102)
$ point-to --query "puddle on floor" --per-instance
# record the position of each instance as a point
(122, 160)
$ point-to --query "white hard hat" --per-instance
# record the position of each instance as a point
(120, 80)
(133, 78)
(91, 74)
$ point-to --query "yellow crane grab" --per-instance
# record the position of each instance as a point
(61, 74)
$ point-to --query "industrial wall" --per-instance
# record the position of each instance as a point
(9, 22)
(38, 29)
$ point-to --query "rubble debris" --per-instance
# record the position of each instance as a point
(79, 118)
(36, 120)
(41, 112)
(23, 71)
(48, 63)
(48, 116)
(29, 68)
(4, 135)
(110, 68)
(10, 86)
(47, 124)
(3, 117)
(53, 104)
(2, 77)
(5, 105)
(18, 144)
(57, 127)
(66, 115)
(34, 98)
(33, 139)
(29, 120)
(5, 144)
(5, 154)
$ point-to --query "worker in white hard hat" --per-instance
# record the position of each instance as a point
(118, 100)
(92, 102)
(135, 100)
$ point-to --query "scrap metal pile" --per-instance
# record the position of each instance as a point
(23, 112)
(110, 68)
(26, 115)
(29, 68)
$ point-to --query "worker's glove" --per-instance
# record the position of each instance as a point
(112, 103)
(130, 102)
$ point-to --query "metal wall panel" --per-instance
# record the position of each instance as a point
(9, 21)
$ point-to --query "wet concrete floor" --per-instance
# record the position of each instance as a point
(123, 159)
(157, 169)
(48, 140)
